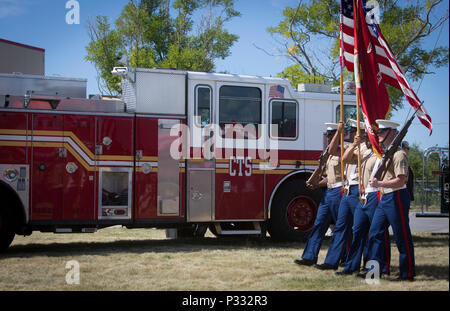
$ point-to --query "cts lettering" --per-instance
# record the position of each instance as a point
(240, 166)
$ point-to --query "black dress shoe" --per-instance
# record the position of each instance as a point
(361, 275)
(325, 266)
(344, 272)
(304, 262)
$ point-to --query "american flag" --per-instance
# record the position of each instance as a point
(347, 41)
(276, 91)
(389, 71)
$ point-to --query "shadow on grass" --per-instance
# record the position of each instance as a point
(434, 240)
(432, 273)
(146, 246)
(178, 245)
(426, 240)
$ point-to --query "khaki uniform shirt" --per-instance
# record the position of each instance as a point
(367, 168)
(351, 173)
(351, 169)
(333, 170)
(398, 167)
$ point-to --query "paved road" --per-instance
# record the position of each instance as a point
(428, 224)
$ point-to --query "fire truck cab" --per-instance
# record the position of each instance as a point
(181, 149)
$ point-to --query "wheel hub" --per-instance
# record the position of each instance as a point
(301, 213)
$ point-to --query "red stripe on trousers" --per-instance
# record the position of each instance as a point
(386, 244)
(386, 250)
(404, 234)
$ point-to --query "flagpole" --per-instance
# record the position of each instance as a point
(357, 77)
(341, 88)
(342, 132)
(359, 145)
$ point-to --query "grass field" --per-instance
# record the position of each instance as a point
(143, 259)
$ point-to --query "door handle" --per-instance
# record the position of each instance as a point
(62, 152)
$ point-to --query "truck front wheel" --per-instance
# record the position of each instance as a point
(6, 230)
(293, 211)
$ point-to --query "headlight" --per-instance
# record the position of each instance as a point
(11, 174)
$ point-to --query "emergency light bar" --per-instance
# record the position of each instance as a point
(123, 72)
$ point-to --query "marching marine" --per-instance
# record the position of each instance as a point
(341, 239)
(364, 211)
(328, 208)
(393, 207)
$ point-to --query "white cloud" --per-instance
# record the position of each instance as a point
(10, 8)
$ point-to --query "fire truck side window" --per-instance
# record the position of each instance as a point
(239, 105)
(349, 113)
(203, 108)
(284, 115)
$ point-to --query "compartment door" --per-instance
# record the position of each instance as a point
(47, 167)
(146, 175)
(200, 192)
(79, 167)
(114, 154)
(168, 201)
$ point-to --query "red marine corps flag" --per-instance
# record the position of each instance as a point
(374, 66)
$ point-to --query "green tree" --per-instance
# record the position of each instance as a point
(296, 75)
(309, 36)
(161, 33)
(415, 160)
(198, 52)
(104, 50)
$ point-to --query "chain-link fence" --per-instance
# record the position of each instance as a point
(427, 195)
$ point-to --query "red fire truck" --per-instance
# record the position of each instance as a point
(72, 164)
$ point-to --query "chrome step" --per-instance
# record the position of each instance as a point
(239, 228)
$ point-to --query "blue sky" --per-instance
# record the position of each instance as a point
(43, 24)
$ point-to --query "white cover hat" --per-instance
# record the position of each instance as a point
(387, 124)
(331, 126)
(353, 123)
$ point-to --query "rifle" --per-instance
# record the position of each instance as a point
(386, 159)
(317, 174)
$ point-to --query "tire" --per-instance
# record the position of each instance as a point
(6, 230)
(293, 211)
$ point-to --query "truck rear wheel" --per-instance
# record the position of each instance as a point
(6, 230)
(293, 211)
